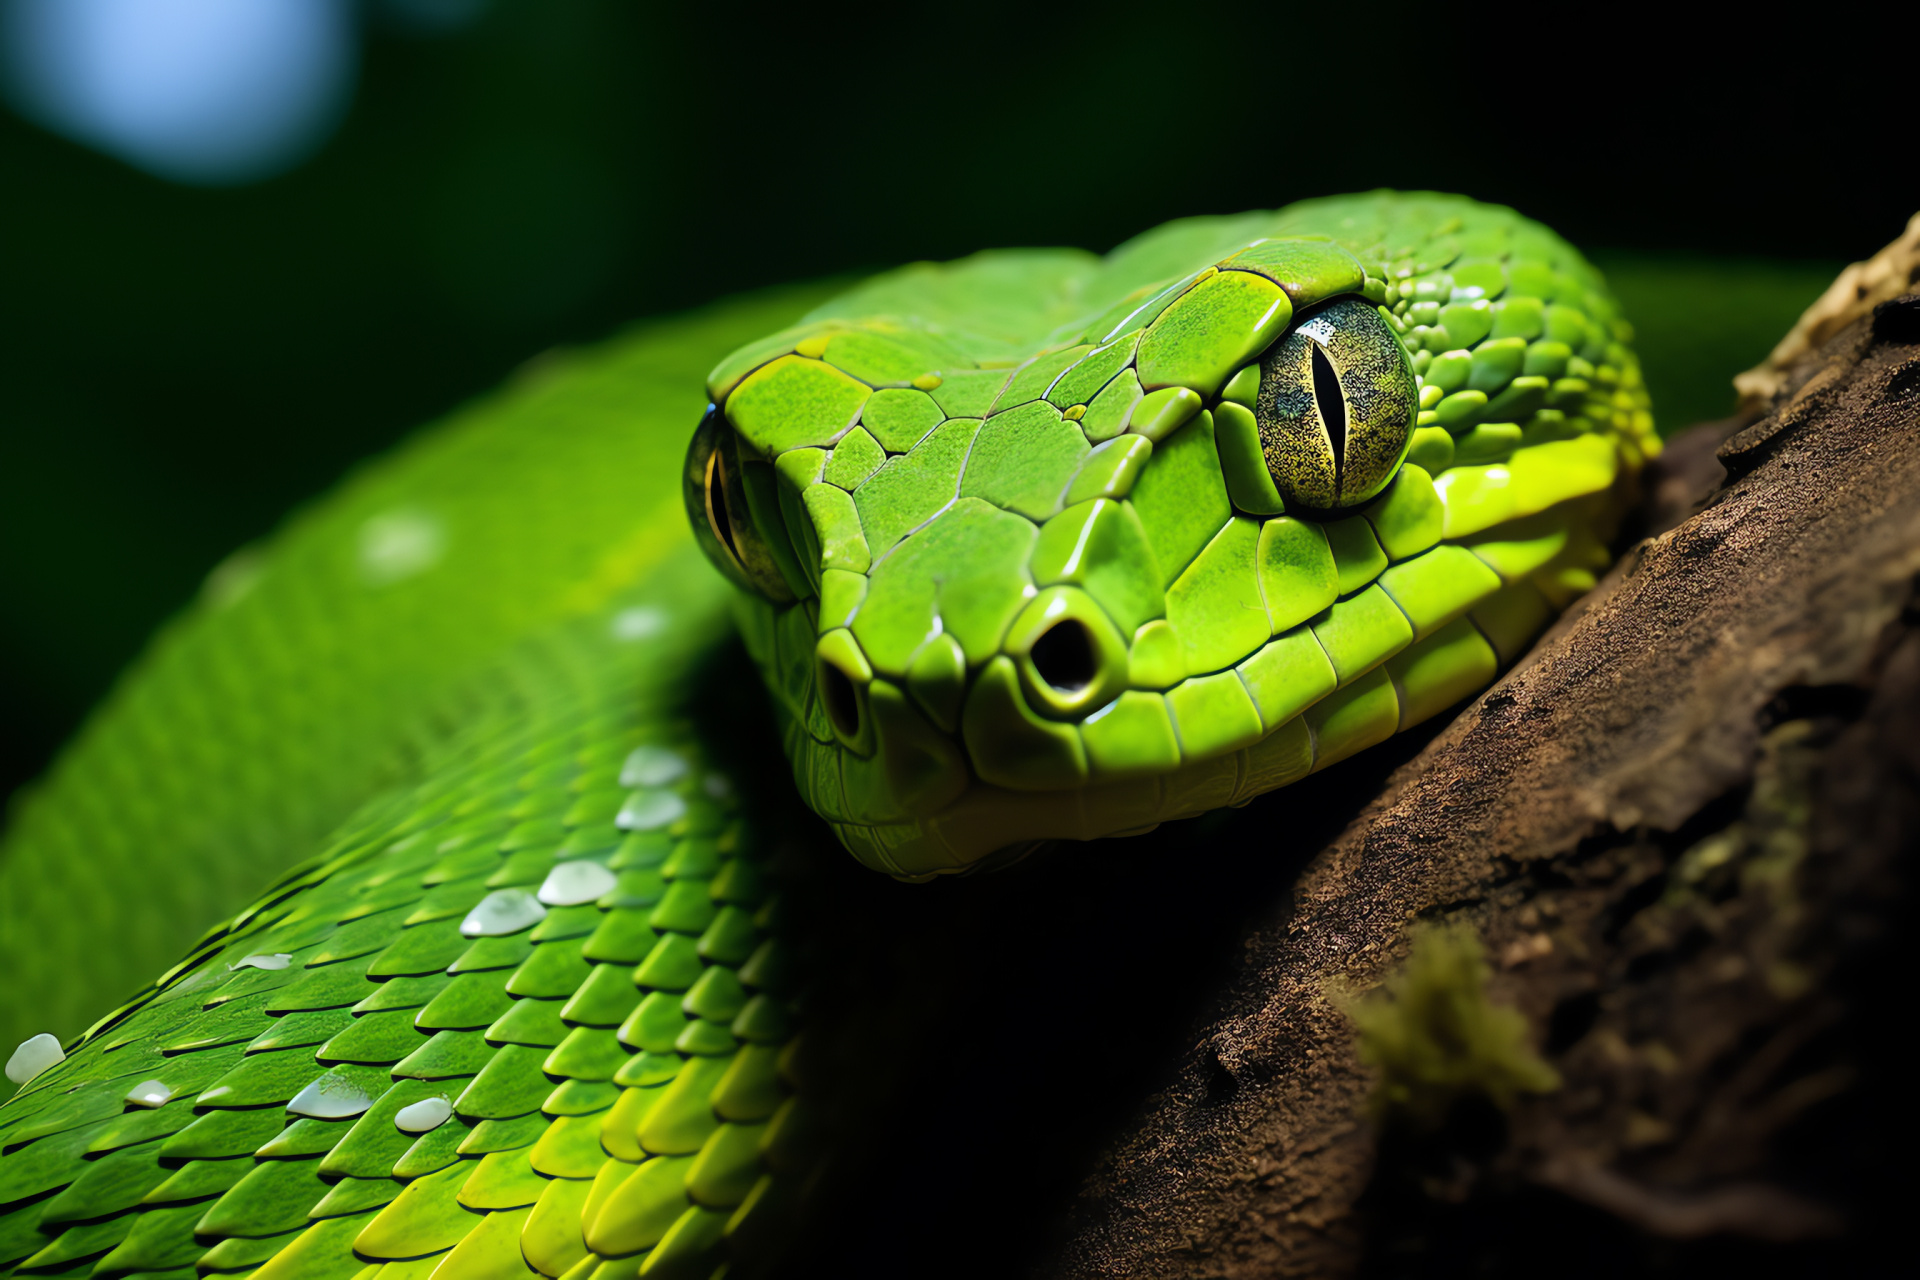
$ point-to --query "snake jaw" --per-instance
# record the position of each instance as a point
(1079, 581)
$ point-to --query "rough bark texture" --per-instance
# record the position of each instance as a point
(1684, 831)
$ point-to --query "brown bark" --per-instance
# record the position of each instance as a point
(1683, 830)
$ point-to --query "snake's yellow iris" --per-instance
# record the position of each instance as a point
(1338, 399)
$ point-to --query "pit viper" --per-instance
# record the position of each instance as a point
(1032, 546)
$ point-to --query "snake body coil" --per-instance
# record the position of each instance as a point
(1026, 547)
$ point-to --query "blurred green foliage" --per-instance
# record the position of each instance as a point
(184, 366)
(1700, 319)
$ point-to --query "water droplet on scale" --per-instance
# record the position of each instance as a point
(649, 811)
(572, 883)
(651, 767)
(149, 1093)
(502, 912)
(423, 1116)
(35, 1054)
(330, 1097)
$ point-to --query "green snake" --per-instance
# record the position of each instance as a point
(1031, 546)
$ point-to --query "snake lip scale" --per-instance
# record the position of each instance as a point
(1036, 545)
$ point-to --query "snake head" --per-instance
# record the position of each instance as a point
(1164, 564)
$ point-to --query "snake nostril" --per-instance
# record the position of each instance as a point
(1063, 656)
(843, 705)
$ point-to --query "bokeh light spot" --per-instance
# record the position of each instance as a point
(206, 92)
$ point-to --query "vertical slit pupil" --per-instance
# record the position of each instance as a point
(717, 504)
(1333, 410)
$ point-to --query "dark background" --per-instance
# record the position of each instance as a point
(182, 365)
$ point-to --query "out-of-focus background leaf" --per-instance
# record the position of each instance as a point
(197, 340)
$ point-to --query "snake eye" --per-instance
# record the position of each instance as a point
(717, 505)
(1336, 408)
